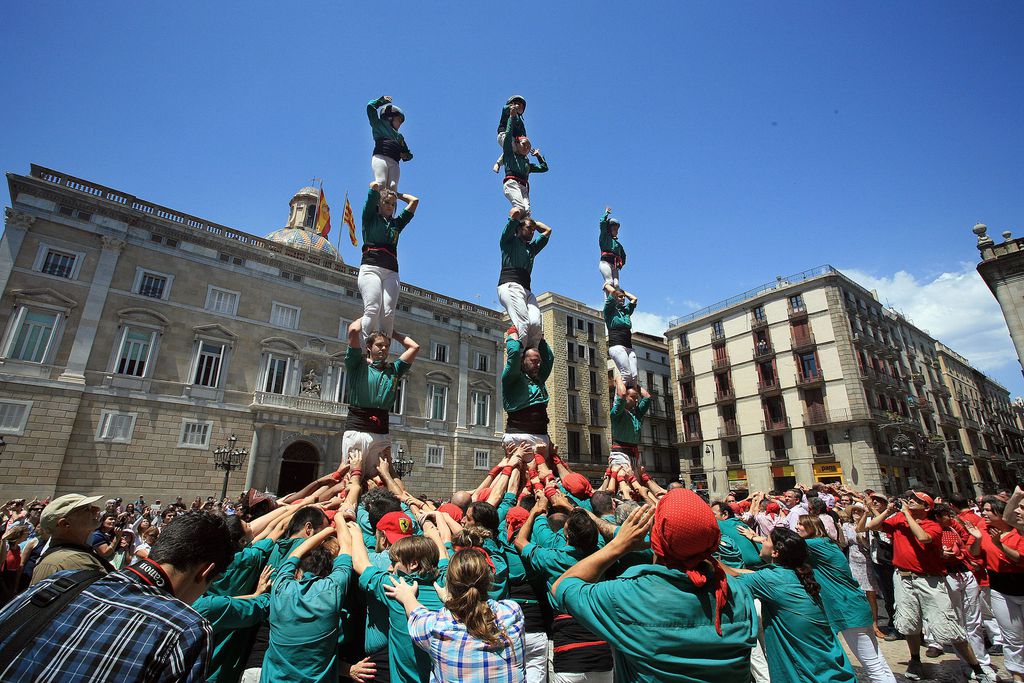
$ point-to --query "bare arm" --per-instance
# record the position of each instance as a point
(312, 542)
(1010, 514)
(526, 531)
(920, 534)
(632, 536)
(360, 558)
(411, 201)
(542, 228)
(411, 347)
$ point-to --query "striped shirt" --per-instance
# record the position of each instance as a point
(459, 657)
(127, 626)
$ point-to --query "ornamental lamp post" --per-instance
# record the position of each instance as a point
(229, 458)
(402, 465)
(3, 445)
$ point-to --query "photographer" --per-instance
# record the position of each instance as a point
(107, 536)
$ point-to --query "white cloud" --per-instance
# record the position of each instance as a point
(956, 308)
(649, 323)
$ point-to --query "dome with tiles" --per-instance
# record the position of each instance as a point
(299, 232)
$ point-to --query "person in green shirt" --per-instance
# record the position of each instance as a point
(737, 550)
(627, 418)
(389, 146)
(618, 307)
(378, 280)
(677, 620)
(371, 386)
(524, 395)
(613, 256)
(233, 615)
(799, 642)
(306, 610)
(516, 151)
(519, 103)
(518, 249)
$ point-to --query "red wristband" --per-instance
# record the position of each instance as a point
(619, 476)
(356, 473)
(507, 471)
(550, 491)
(632, 479)
(608, 472)
(495, 470)
(538, 459)
(512, 330)
(645, 477)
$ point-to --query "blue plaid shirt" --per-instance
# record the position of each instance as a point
(459, 657)
(124, 627)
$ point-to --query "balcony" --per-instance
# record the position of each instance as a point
(814, 417)
(971, 423)
(983, 453)
(688, 404)
(720, 363)
(942, 390)
(691, 439)
(303, 404)
(823, 453)
(798, 311)
(867, 374)
(729, 429)
(917, 378)
(809, 381)
(947, 420)
(685, 372)
(763, 351)
(769, 387)
(717, 337)
(924, 405)
(772, 426)
(780, 454)
(725, 395)
(758, 322)
(802, 342)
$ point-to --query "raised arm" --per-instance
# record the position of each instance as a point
(411, 202)
(411, 347)
(360, 558)
(355, 331)
(876, 521)
(632, 536)
(526, 531)
(312, 542)
(1010, 513)
(920, 534)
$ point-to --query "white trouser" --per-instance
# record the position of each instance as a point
(385, 171)
(536, 654)
(501, 157)
(865, 645)
(609, 272)
(540, 443)
(373, 447)
(625, 360)
(592, 677)
(521, 306)
(517, 194)
(251, 676)
(758, 662)
(624, 460)
(1009, 611)
(379, 288)
(965, 596)
(988, 620)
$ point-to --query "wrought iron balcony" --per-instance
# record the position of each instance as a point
(758, 322)
(796, 312)
(763, 351)
(819, 416)
(808, 381)
(780, 425)
(720, 363)
(769, 387)
(802, 342)
(725, 395)
(688, 404)
(947, 420)
(729, 429)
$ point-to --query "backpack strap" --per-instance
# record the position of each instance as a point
(22, 626)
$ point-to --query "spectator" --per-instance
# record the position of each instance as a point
(134, 624)
(70, 520)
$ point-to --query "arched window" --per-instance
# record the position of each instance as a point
(310, 215)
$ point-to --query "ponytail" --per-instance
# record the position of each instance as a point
(791, 553)
(469, 579)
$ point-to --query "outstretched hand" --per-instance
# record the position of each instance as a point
(633, 532)
(401, 591)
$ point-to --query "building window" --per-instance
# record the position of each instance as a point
(277, 374)
(222, 301)
(821, 443)
(482, 362)
(595, 412)
(808, 366)
(717, 330)
(14, 416)
(759, 314)
(435, 456)
(593, 382)
(133, 356)
(581, 351)
(208, 364)
(59, 263)
(439, 352)
(284, 315)
(437, 398)
(195, 434)
(310, 215)
(574, 444)
(342, 378)
(568, 325)
(481, 459)
(153, 285)
(596, 449)
(593, 357)
(116, 427)
(574, 408)
(399, 398)
(33, 335)
(591, 336)
(796, 302)
(572, 377)
(570, 352)
(481, 408)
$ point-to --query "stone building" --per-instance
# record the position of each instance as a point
(658, 438)
(1002, 269)
(138, 338)
(809, 378)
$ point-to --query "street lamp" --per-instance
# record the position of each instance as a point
(229, 458)
(402, 465)
(3, 445)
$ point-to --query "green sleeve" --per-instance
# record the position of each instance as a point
(538, 244)
(286, 573)
(547, 361)
(370, 209)
(508, 501)
(402, 220)
(541, 560)
(232, 613)
(340, 574)
(512, 375)
(406, 154)
(371, 581)
(376, 125)
(630, 307)
(542, 535)
(592, 604)
(401, 368)
(618, 405)
(508, 146)
(509, 233)
(353, 360)
(541, 167)
(642, 406)
(759, 583)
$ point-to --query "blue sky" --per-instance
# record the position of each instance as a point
(735, 141)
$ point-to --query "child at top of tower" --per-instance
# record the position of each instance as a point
(613, 256)
(516, 158)
(389, 146)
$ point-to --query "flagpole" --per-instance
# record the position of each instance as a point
(320, 194)
(342, 221)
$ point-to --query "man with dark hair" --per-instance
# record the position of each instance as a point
(374, 504)
(134, 624)
(602, 504)
(524, 394)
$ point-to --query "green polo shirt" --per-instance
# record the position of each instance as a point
(626, 425)
(380, 230)
(845, 603)
(519, 390)
(370, 385)
(545, 537)
(518, 165)
(550, 562)
(243, 573)
(616, 317)
(305, 623)
(514, 252)
(230, 618)
(744, 554)
(798, 641)
(383, 129)
(409, 664)
(663, 627)
(608, 243)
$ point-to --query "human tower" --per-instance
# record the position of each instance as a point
(373, 380)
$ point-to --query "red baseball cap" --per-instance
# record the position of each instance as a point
(927, 500)
(395, 526)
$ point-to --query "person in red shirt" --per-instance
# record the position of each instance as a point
(920, 580)
(965, 512)
(1002, 548)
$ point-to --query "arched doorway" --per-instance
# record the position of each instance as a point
(299, 465)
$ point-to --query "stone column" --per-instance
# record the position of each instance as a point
(16, 225)
(93, 309)
(499, 408)
(463, 405)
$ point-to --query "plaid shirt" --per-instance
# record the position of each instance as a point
(125, 627)
(459, 657)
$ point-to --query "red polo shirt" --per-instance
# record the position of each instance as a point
(911, 555)
(995, 559)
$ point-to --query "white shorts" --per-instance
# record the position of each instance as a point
(373, 447)
(925, 599)
(538, 441)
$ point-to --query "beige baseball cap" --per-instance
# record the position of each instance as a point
(62, 507)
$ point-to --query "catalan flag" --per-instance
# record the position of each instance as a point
(350, 220)
(323, 216)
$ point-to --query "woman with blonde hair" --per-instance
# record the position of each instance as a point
(472, 638)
